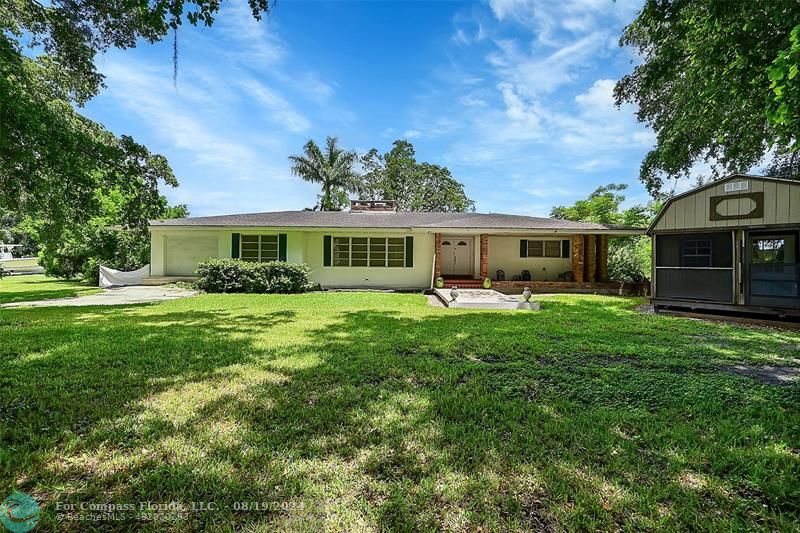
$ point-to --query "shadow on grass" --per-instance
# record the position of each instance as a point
(30, 296)
(585, 415)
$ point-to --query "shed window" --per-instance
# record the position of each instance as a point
(370, 251)
(259, 248)
(769, 250)
(696, 252)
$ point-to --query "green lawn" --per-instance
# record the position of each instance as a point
(365, 411)
(40, 287)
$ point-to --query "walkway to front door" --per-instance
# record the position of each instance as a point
(457, 258)
(484, 299)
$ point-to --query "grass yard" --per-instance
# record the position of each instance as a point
(40, 287)
(365, 411)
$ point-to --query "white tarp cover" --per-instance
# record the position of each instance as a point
(116, 278)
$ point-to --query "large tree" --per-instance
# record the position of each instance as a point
(53, 160)
(333, 169)
(115, 235)
(707, 84)
(628, 257)
(397, 175)
(603, 206)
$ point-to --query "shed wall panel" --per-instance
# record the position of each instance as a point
(794, 205)
(693, 211)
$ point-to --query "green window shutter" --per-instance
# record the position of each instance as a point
(523, 248)
(409, 251)
(235, 245)
(282, 247)
(326, 260)
(565, 248)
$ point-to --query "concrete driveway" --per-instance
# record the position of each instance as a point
(114, 296)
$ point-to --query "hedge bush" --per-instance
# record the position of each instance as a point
(235, 275)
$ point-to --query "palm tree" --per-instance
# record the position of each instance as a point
(332, 168)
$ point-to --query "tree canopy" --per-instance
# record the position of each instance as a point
(629, 258)
(718, 83)
(115, 234)
(603, 207)
(52, 159)
(397, 175)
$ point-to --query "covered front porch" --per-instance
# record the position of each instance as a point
(543, 262)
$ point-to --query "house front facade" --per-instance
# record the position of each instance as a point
(372, 246)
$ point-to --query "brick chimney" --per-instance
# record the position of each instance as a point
(373, 206)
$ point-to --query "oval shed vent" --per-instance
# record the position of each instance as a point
(736, 207)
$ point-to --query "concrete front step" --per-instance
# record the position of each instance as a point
(463, 283)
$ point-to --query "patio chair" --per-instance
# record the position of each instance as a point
(500, 275)
(526, 275)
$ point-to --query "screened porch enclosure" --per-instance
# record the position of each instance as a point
(695, 266)
(753, 268)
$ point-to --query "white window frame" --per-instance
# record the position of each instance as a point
(369, 239)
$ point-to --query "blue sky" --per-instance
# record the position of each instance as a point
(514, 96)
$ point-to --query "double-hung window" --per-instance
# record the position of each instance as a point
(259, 248)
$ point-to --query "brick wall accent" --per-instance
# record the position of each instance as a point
(577, 258)
(484, 255)
(602, 258)
(437, 264)
(618, 288)
(590, 266)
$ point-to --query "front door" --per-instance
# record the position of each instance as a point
(457, 256)
(772, 270)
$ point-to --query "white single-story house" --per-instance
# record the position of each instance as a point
(373, 246)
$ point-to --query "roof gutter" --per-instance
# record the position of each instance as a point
(469, 231)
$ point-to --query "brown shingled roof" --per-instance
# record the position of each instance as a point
(417, 220)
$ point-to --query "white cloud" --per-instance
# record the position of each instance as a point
(460, 37)
(277, 107)
(537, 74)
(254, 43)
(599, 98)
(430, 129)
(469, 26)
(469, 100)
(212, 152)
(504, 9)
(597, 163)
(548, 19)
(146, 93)
(525, 117)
